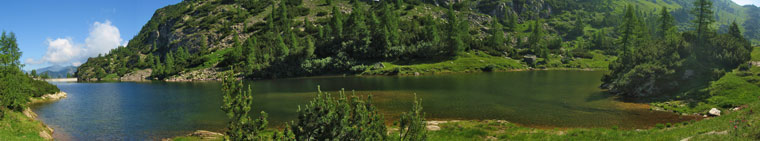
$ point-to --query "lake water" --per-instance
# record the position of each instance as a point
(155, 110)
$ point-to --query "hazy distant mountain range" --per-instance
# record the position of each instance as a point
(57, 71)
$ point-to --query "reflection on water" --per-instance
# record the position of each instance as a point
(154, 110)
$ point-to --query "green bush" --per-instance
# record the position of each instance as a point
(344, 118)
(237, 104)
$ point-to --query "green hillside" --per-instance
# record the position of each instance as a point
(196, 39)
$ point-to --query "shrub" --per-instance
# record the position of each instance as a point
(412, 123)
(237, 104)
(344, 118)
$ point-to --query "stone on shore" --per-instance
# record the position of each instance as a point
(714, 112)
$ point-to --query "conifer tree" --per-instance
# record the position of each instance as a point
(630, 21)
(666, 22)
(734, 31)
(170, 64)
(336, 24)
(496, 40)
(456, 43)
(703, 20)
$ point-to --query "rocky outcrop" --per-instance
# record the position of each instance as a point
(140, 75)
(207, 74)
(48, 98)
(47, 132)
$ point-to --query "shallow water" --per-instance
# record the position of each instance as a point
(155, 110)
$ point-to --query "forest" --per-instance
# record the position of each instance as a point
(278, 39)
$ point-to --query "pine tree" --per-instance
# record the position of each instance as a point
(578, 27)
(9, 51)
(666, 22)
(309, 50)
(237, 104)
(703, 14)
(496, 40)
(282, 48)
(536, 35)
(182, 57)
(170, 66)
(455, 39)
(359, 34)
(630, 21)
(734, 31)
(337, 24)
(284, 20)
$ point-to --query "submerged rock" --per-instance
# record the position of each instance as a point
(714, 112)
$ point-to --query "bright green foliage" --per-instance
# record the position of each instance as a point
(344, 118)
(182, 58)
(628, 28)
(734, 30)
(457, 29)
(704, 19)
(16, 87)
(237, 104)
(497, 39)
(666, 22)
(647, 67)
(9, 52)
(412, 125)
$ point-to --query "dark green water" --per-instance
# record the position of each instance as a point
(154, 110)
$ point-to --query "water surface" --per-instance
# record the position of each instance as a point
(155, 110)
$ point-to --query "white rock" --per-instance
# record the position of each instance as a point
(714, 112)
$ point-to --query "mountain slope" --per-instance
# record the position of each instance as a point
(57, 71)
(196, 39)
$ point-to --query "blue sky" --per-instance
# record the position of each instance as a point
(745, 2)
(73, 30)
(58, 32)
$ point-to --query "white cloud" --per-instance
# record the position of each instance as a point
(64, 51)
(31, 61)
(103, 37)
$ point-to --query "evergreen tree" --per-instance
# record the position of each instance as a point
(336, 24)
(282, 49)
(497, 39)
(359, 38)
(536, 35)
(412, 126)
(237, 104)
(630, 21)
(309, 50)
(734, 31)
(578, 27)
(666, 22)
(284, 21)
(170, 64)
(182, 57)
(455, 38)
(703, 14)
(9, 51)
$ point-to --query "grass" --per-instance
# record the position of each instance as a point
(718, 128)
(465, 62)
(756, 54)
(15, 126)
(482, 62)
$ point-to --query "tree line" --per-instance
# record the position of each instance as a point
(670, 61)
(16, 87)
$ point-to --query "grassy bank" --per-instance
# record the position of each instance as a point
(718, 128)
(15, 126)
(733, 125)
(482, 62)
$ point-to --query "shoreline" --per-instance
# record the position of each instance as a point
(47, 132)
(360, 75)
